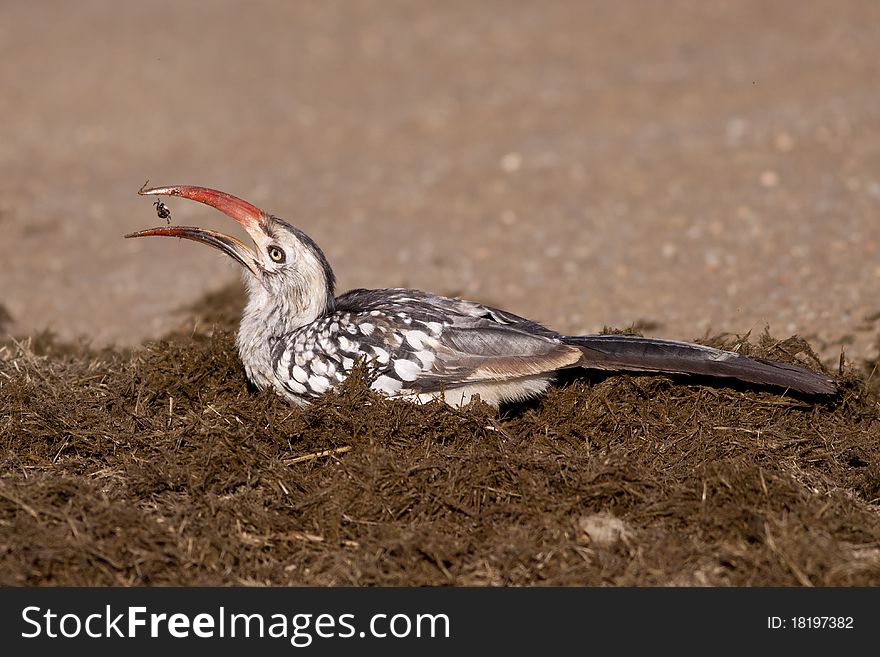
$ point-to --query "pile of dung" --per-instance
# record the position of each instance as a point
(161, 466)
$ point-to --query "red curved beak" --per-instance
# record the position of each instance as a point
(249, 216)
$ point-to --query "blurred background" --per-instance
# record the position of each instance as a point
(689, 167)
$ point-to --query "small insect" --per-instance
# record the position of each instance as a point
(163, 211)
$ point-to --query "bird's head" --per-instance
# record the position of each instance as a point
(285, 269)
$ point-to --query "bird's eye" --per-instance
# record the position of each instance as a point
(277, 254)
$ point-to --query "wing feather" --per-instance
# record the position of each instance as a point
(470, 342)
(501, 352)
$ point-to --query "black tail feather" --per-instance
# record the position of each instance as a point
(637, 354)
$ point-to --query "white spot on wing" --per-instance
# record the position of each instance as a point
(406, 369)
(319, 367)
(381, 355)
(387, 384)
(416, 339)
(367, 328)
(434, 327)
(426, 357)
(300, 374)
(285, 360)
(318, 384)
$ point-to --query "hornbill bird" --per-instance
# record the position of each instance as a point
(300, 339)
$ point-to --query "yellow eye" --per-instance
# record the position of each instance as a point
(277, 254)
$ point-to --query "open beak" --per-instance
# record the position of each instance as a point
(250, 217)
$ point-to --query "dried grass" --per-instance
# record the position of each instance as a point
(162, 467)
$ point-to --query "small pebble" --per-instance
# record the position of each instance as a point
(511, 162)
(735, 130)
(784, 142)
(769, 179)
(508, 218)
(602, 530)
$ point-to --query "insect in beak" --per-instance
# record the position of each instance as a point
(162, 211)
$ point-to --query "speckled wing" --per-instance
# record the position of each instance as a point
(417, 343)
(470, 343)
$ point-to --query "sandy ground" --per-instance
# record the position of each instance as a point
(694, 167)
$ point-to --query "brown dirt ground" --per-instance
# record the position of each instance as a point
(160, 466)
(690, 166)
